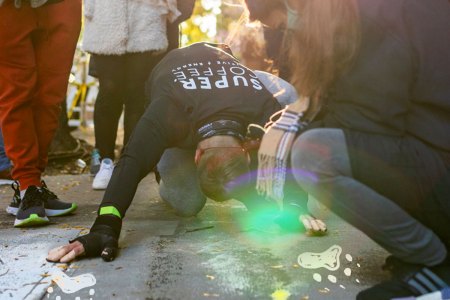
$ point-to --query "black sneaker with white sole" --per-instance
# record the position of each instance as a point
(53, 206)
(429, 282)
(31, 210)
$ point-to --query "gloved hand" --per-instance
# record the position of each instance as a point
(102, 240)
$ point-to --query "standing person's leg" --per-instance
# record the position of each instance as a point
(30, 38)
(138, 69)
(322, 167)
(179, 184)
(111, 71)
(18, 77)
(55, 48)
(109, 103)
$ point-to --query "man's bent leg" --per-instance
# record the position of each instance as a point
(322, 168)
(179, 184)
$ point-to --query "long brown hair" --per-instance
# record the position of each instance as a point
(324, 43)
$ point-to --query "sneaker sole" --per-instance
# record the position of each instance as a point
(32, 220)
(99, 187)
(59, 212)
(49, 212)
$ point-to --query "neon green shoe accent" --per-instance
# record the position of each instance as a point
(51, 213)
(32, 220)
(109, 210)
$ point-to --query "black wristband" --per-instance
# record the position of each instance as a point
(221, 127)
(108, 224)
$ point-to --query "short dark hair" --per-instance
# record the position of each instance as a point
(222, 171)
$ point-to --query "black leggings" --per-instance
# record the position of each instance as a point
(122, 86)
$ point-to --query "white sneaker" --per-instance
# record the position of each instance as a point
(103, 176)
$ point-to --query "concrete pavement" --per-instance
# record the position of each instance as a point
(215, 255)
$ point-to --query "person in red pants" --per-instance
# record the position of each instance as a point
(38, 40)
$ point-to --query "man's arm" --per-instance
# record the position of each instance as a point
(161, 126)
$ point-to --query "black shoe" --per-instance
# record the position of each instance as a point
(426, 281)
(54, 207)
(31, 210)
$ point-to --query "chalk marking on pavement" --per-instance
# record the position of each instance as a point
(70, 285)
(330, 260)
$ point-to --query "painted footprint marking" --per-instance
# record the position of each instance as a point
(70, 285)
(50, 291)
(330, 260)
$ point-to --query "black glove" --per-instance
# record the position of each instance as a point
(103, 237)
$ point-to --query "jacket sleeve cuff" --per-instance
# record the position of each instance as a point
(109, 224)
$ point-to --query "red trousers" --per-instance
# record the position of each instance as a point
(36, 53)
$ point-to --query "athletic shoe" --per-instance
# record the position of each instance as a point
(31, 210)
(95, 162)
(52, 205)
(426, 281)
(443, 294)
(103, 176)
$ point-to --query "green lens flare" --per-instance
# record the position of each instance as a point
(265, 218)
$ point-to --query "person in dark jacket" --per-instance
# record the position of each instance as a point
(379, 155)
(202, 99)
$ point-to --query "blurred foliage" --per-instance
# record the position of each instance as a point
(212, 21)
(225, 21)
(190, 29)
